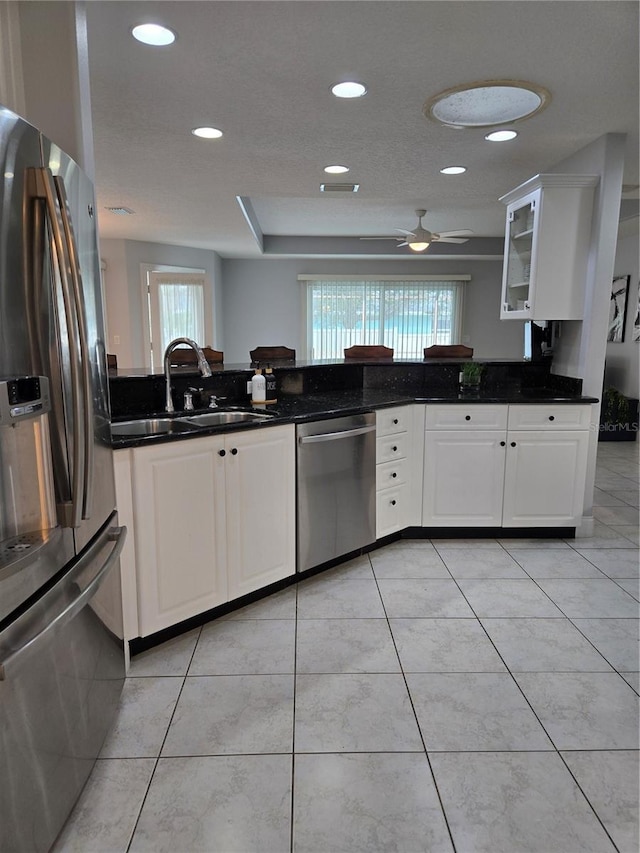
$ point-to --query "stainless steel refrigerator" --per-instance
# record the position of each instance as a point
(61, 638)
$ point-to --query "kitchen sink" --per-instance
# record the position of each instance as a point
(207, 419)
(150, 426)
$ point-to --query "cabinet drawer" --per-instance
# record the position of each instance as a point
(473, 416)
(391, 510)
(392, 447)
(390, 421)
(549, 417)
(392, 473)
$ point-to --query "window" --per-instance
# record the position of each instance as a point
(177, 307)
(406, 313)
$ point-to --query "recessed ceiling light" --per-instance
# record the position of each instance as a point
(336, 170)
(453, 170)
(349, 89)
(207, 132)
(487, 103)
(120, 211)
(153, 34)
(501, 135)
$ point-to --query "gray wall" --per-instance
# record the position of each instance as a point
(262, 301)
(123, 291)
(622, 360)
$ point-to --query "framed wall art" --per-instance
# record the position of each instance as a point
(618, 308)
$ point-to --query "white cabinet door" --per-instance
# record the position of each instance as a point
(547, 247)
(544, 478)
(179, 511)
(260, 480)
(463, 478)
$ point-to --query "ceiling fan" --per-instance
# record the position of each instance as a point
(420, 239)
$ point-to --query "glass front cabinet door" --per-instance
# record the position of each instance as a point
(517, 291)
(546, 247)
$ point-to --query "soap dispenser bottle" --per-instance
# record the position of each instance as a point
(271, 385)
(258, 387)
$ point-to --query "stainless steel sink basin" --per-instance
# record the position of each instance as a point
(207, 419)
(150, 426)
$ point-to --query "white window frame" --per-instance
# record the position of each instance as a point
(153, 359)
(306, 303)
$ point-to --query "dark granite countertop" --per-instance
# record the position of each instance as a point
(319, 406)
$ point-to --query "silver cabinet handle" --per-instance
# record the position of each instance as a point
(333, 436)
(115, 534)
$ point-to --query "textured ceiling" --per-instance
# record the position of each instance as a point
(261, 71)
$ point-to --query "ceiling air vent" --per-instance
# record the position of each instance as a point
(120, 211)
(339, 188)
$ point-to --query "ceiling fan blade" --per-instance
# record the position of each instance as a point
(404, 231)
(463, 232)
(381, 238)
(403, 244)
(441, 239)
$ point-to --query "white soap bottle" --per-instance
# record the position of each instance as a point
(258, 387)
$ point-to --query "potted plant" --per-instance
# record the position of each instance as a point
(470, 376)
(618, 417)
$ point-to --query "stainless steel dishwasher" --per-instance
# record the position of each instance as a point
(336, 509)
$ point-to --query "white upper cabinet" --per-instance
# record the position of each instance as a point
(547, 247)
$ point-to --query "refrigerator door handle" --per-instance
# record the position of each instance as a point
(44, 188)
(85, 360)
(115, 534)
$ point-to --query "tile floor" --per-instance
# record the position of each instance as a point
(454, 695)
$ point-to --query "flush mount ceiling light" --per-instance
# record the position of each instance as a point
(453, 170)
(207, 132)
(120, 211)
(501, 135)
(487, 103)
(153, 34)
(336, 170)
(349, 89)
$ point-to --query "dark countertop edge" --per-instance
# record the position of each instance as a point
(317, 408)
(282, 365)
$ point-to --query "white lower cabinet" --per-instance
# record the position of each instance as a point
(505, 477)
(398, 466)
(214, 519)
(463, 478)
(544, 478)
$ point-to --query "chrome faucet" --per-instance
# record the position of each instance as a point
(203, 366)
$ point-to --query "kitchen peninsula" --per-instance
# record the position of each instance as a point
(212, 510)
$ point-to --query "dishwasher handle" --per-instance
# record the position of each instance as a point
(334, 436)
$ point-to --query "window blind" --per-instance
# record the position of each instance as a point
(405, 314)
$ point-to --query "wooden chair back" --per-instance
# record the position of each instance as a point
(448, 351)
(181, 357)
(272, 354)
(369, 351)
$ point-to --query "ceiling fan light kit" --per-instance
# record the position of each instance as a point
(420, 238)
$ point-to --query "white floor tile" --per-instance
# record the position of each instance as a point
(220, 715)
(610, 783)
(106, 813)
(217, 804)
(592, 710)
(143, 717)
(472, 712)
(367, 803)
(354, 713)
(516, 802)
